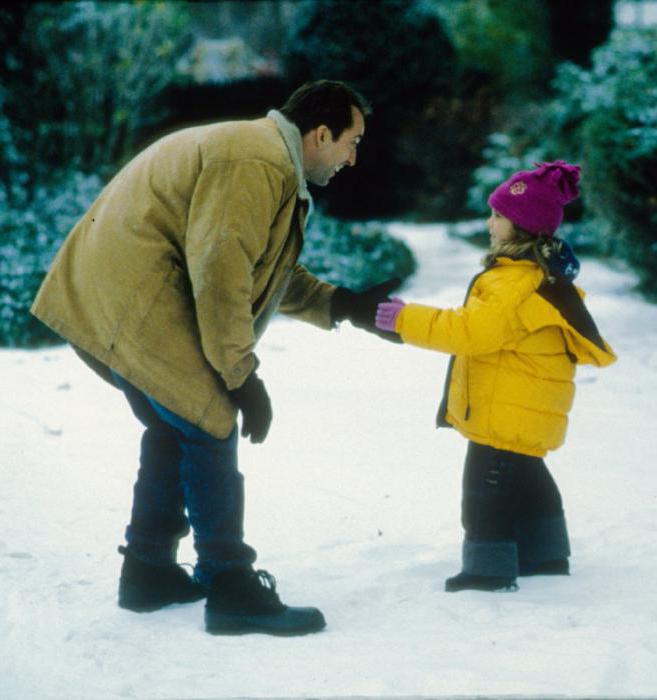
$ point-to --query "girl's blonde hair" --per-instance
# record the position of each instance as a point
(525, 245)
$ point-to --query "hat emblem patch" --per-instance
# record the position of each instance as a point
(519, 187)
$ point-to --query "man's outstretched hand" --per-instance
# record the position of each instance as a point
(360, 307)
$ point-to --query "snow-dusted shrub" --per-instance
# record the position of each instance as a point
(501, 159)
(399, 56)
(82, 78)
(79, 80)
(31, 231)
(604, 118)
(354, 255)
(608, 116)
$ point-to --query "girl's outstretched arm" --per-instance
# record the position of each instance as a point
(479, 328)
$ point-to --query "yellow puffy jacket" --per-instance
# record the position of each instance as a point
(515, 343)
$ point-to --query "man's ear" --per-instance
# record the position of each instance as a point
(323, 136)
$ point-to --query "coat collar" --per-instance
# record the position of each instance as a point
(292, 137)
(562, 263)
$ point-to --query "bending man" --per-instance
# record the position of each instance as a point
(164, 287)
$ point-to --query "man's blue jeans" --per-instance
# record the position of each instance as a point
(186, 477)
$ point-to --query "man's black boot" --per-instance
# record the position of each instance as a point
(144, 587)
(242, 601)
(471, 582)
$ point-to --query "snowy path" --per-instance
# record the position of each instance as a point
(353, 503)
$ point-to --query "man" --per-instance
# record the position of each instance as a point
(164, 287)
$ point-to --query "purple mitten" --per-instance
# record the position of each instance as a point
(387, 312)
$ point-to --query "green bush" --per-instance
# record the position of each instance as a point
(508, 41)
(354, 255)
(30, 234)
(505, 155)
(605, 119)
(398, 55)
(501, 160)
(82, 78)
(78, 82)
(608, 116)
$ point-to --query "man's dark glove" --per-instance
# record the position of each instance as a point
(252, 399)
(360, 307)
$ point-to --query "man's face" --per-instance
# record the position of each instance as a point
(329, 156)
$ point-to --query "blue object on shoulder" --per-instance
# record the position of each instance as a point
(563, 263)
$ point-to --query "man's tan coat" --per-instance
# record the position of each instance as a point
(175, 270)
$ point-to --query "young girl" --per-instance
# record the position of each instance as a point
(514, 344)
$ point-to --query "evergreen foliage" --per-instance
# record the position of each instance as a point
(576, 28)
(514, 45)
(83, 84)
(31, 231)
(506, 41)
(354, 255)
(501, 160)
(398, 55)
(81, 78)
(78, 82)
(63, 130)
(607, 117)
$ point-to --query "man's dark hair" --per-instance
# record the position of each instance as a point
(324, 102)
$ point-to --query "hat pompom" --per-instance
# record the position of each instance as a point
(564, 175)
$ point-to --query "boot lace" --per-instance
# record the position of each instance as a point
(263, 588)
(266, 579)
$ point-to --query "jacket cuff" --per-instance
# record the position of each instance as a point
(238, 374)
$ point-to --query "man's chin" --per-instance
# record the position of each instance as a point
(319, 178)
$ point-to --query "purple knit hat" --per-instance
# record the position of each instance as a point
(534, 199)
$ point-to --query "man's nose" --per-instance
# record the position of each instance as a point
(352, 158)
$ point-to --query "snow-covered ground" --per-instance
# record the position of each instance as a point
(353, 503)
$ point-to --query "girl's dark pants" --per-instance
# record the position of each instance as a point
(511, 512)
